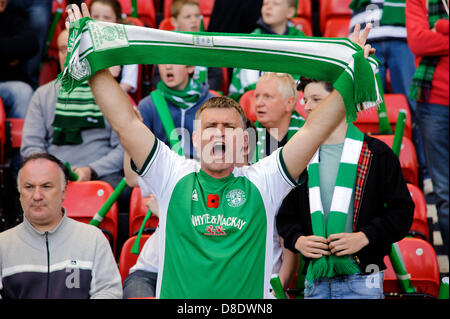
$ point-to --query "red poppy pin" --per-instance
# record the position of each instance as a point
(212, 201)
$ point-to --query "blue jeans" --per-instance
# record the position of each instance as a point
(140, 283)
(433, 122)
(396, 55)
(16, 96)
(39, 14)
(347, 287)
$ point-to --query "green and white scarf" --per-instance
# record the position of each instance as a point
(98, 45)
(295, 124)
(421, 85)
(330, 266)
(74, 112)
(185, 98)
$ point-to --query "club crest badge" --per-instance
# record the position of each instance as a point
(235, 198)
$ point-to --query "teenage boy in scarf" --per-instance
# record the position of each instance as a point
(345, 218)
(275, 15)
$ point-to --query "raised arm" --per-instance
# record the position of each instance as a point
(135, 137)
(321, 122)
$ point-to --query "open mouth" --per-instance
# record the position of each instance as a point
(170, 76)
(218, 149)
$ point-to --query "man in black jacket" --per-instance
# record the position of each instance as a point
(379, 211)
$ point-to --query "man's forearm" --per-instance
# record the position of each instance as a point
(319, 125)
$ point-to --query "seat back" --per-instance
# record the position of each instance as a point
(84, 199)
(16, 128)
(420, 262)
(367, 121)
(127, 259)
(138, 210)
(304, 9)
(247, 102)
(419, 227)
(303, 25)
(331, 9)
(2, 132)
(336, 28)
(408, 157)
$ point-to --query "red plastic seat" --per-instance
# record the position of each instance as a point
(330, 9)
(247, 102)
(304, 25)
(420, 262)
(2, 132)
(166, 24)
(419, 227)
(367, 121)
(408, 157)
(304, 9)
(206, 7)
(49, 71)
(224, 87)
(16, 128)
(138, 210)
(127, 259)
(336, 28)
(84, 199)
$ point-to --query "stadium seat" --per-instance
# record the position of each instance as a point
(134, 21)
(247, 102)
(15, 129)
(2, 132)
(127, 259)
(419, 227)
(420, 262)
(225, 82)
(331, 9)
(146, 11)
(84, 199)
(166, 24)
(49, 71)
(336, 28)
(367, 121)
(300, 107)
(304, 9)
(408, 157)
(206, 7)
(303, 25)
(138, 210)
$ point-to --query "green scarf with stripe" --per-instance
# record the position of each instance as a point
(74, 112)
(421, 85)
(330, 266)
(295, 124)
(95, 45)
(185, 98)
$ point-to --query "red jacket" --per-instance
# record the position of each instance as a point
(424, 42)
